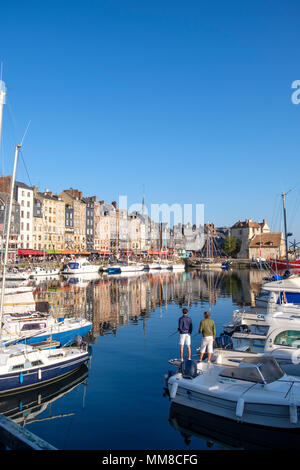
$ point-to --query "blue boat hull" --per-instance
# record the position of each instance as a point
(63, 337)
(16, 381)
(114, 270)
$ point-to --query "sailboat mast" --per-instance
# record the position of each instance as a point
(285, 231)
(8, 230)
(2, 102)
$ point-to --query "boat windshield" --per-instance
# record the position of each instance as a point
(261, 370)
(73, 265)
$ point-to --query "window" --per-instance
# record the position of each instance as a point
(18, 367)
(289, 338)
(22, 203)
(28, 203)
(28, 194)
(28, 215)
(37, 363)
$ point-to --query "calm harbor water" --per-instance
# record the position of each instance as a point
(119, 402)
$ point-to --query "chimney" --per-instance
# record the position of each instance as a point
(5, 184)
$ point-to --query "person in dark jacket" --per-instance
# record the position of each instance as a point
(185, 328)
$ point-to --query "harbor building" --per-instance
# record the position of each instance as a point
(23, 194)
(267, 245)
(73, 197)
(244, 231)
(90, 224)
(48, 221)
(101, 228)
(14, 227)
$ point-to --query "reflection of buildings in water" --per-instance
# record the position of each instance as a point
(223, 433)
(245, 285)
(69, 300)
(112, 302)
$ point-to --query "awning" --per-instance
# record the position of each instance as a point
(73, 252)
(31, 252)
(103, 252)
(53, 252)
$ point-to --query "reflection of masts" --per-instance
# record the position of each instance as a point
(48, 418)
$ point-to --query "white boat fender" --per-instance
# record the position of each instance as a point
(39, 374)
(173, 390)
(293, 414)
(239, 411)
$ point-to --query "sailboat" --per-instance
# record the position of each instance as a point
(23, 366)
(281, 264)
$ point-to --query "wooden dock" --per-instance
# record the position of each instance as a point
(14, 437)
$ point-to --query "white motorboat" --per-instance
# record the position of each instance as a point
(80, 266)
(16, 275)
(178, 267)
(153, 266)
(40, 271)
(125, 268)
(278, 291)
(131, 267)
(257, 315)
(254, 391)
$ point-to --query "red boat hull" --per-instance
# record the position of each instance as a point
(278, 264)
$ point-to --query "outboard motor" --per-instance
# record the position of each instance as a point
(188, 369)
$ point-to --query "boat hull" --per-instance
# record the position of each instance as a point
(15, 381)
(280, 264)
(261, 414)
(63, 337)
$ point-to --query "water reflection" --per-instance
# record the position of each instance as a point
(113, 301)
(222, 433)
(23, 408)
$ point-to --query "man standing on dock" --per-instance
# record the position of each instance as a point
(208, 329)
(185, 328)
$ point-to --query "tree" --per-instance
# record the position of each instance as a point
(230, 246)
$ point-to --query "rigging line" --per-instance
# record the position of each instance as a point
(25, 168)
(274, 211)
(295, 209)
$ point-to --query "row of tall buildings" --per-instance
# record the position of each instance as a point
(47, 222)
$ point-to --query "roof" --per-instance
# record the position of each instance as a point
(248, 223)
(266, 240)
(5, 198)
(19, 184)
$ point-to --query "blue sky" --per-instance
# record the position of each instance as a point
(190, 100)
